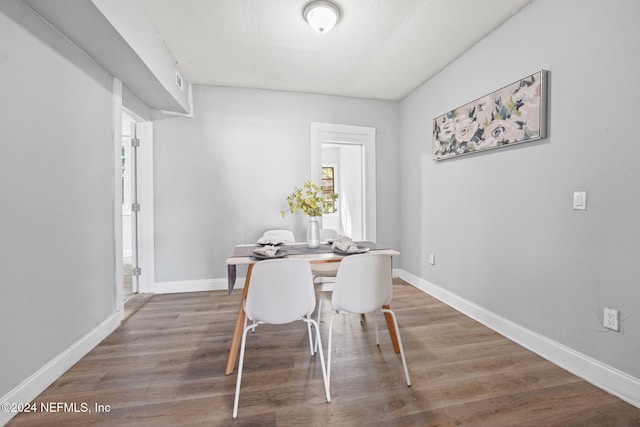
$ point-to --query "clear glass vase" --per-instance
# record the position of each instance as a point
(313, 232)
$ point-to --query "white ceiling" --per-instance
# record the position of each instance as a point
(381, 49)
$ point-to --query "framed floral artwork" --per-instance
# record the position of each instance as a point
(511, 115)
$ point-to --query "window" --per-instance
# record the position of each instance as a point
(328, 188)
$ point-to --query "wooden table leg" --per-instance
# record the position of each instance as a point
(392, 329)
(237, 333)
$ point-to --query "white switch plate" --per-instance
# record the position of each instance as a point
(432, 259)
(580, 200)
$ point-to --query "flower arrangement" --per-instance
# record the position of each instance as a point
(309, 199)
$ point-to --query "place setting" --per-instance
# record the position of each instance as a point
(343, 245)
(269, 252)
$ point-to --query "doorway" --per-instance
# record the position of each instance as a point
(345, 162)
(351, 151)
(129, 191)
(131, 230)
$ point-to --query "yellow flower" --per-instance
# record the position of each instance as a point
(309, 199)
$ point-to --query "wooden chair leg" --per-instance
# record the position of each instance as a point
(237, 333)
(392, 330)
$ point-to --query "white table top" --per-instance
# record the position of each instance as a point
(322, 254)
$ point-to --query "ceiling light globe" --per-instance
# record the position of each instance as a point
(322, 16)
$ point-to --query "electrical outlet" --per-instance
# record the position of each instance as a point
(611, 318)
(432, 259)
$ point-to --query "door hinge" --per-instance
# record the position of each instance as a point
(135, 207)
(137, 271)
(135, 142)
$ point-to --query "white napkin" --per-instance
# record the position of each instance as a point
(267, 250)
(269, 240)
(344, 244)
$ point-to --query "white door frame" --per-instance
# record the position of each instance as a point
(117, 205)
(144, 197)
(347, 134)
(146, 258)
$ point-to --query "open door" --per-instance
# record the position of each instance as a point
(136, 226)
(355, 148)
(135, 209)
(130, 207)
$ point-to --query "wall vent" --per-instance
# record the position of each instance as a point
(179, 81)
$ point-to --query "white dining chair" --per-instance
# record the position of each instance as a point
(363, 285)
(283, 235)
(324, 270)
(327, 233)
(281, 291)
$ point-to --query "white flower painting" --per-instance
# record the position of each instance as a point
(511, 115)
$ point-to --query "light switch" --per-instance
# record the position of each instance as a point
(580, 200)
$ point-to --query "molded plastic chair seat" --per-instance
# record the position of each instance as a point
(281, 291)
(327, 233)
(282, 235)
(363, 285)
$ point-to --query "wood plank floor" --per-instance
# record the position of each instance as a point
(165, 366)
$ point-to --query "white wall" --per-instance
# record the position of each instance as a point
(501, 223)
(222, 177)
(57, 194)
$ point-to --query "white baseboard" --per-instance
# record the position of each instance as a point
(207, 285)
(593, 371)
(31, 388)
(195, 285)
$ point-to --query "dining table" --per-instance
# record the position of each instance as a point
(244, 255)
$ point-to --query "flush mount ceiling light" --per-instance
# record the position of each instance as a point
(322, 15)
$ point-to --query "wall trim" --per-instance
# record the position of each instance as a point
(31, 387)
(195, 285)
(208, 285)
(603, 376)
